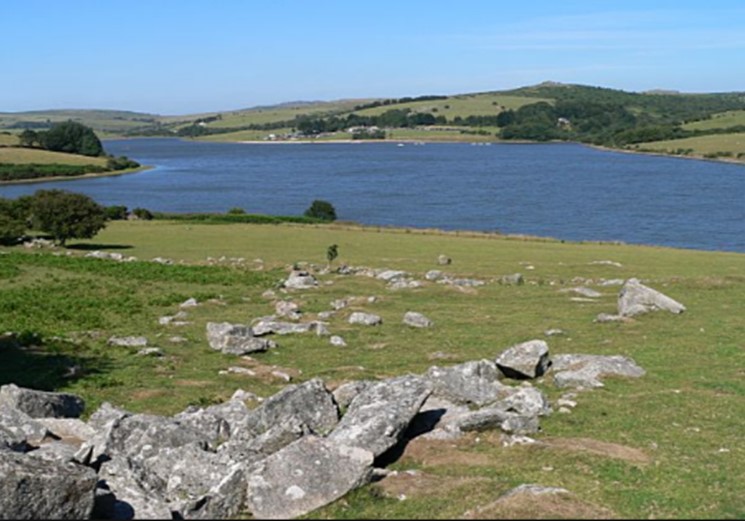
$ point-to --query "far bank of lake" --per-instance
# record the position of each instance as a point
(565, 191)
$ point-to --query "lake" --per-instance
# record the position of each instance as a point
(565, 191)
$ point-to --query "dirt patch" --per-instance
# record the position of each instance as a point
(415, 483)
(601, 448)
(144, 394)
(546, 506)
(433, 453)
(193, 383)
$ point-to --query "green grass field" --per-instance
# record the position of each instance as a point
(463, 105)
(729, 144)
(46, 157)
(728, 119)
(684, 416)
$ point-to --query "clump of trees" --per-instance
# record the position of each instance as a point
(69, 136)
(63, 215)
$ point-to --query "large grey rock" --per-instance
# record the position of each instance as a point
(345, 393)
(309, 402)
(476, 382)
(235, 339)
(132, 499)
(69, 429)
(635, 298)
(287, 308)
(32, 489)
(415, 319)
(514, 279)
(304, 476)
(41, 404)
(526, 401)
(216, 422)
(266, 326)
(366, 319)
(300, 279)
(188, 478)
(525, 360)
(248, 448)
(55, 451)
(378, 417)
(12, 440)
(19, 426)
(140, 436)
(582, 370)
(489, 418)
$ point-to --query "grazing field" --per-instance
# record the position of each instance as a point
(19, 155)
(666, 445)
(8, 139)
(728, 119)
(463, 105)
(721, 145)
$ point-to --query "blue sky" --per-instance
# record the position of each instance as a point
(188, 56)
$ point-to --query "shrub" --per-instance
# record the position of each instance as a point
(236, 211)
(142, 213)
(116, 213)
(321, 210)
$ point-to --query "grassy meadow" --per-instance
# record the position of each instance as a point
(667, 445)
(46, 157)
(715, 145)
(731, 118)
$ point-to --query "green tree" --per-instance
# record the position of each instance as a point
(332, 252)
(321, 210)
(67, 215)
(12, 225)
(28, 138)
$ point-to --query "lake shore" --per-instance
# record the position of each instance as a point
(49, 179)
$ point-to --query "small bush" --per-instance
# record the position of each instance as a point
(236, 211)
(321, 210)
(116, 213)
(142, 213)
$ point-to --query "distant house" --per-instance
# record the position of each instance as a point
(563, 123)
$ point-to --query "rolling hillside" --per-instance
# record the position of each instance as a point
(546, 112)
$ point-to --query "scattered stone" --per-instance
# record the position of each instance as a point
(337, 341)
(553, 332)
(162, 260)
(608, 263)
(582, 290)
(235, 339)
(474, 382)
(177, 339)
(189, 303)
(268, 325)
(414, 319)
(610, 282)
(580, 370)
(289, 309)
(389, 275)
(339, 304)
(128, 341)
(433, 275)
(150, 351)
(606, 317)
(443, 260)
(239, 370)
(269, 294)
(514, 279)
(243, 396)
(526, 360)
(635, 298)
(404, 283)
(366, 319)
(300, 279)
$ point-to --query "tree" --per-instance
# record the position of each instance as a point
(12, 225)
(71, 137)
(28, 137)
(321, 210)
(67, 215)
(332, 252)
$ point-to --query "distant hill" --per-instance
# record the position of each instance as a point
(548, 111)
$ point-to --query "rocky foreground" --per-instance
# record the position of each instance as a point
(298, 450)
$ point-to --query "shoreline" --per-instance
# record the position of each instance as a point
(50, 179)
